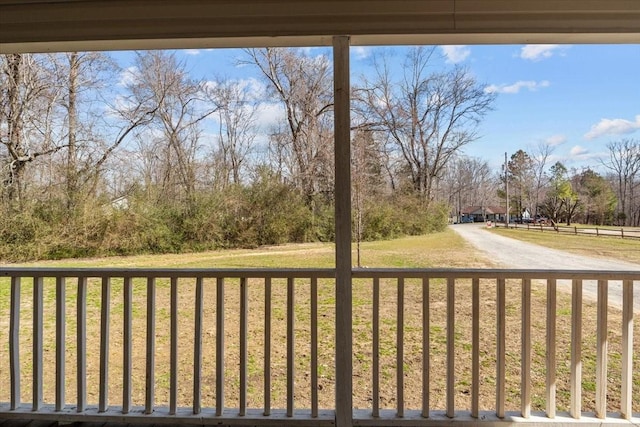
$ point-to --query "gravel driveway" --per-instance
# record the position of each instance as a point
(512, 253)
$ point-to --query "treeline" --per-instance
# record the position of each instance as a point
(583, 196)
(100, 160)
(264, 212)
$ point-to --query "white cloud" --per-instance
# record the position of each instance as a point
(578, 150)
(313, 50)
(122, 103)
(613, 127)
(555, 140)
(255, 88)
(192, 52)
(577, 156)
(455, 53)
(268, 115)
(531, 85)
(210, 85)
(536, 52)
(252, 88)
(361, 52)
(128, 76)
(553, 158)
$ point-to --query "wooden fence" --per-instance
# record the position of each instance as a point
(622, 232)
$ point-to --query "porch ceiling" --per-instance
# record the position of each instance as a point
(59, 25)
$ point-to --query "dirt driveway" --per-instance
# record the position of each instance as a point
(512, 253)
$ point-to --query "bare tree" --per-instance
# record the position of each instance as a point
(97, 123)
(49, 108)
(302, 84)
(237, 109)
(366, 180)
(85, 75)
(468, 181)
(624, 162)
(29, 94)
(179, 106)
(72, 156)
(541, 154)
(428, 116)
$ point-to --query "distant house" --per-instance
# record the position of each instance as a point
(484, 213)
(120, 203)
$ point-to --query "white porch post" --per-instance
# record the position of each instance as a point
(342, 152)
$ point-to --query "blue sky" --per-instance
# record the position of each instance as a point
(575, 98)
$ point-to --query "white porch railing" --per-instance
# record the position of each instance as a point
(414, 329)
(494, 285)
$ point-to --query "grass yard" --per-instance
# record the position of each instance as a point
(445, 249)
(603, 247)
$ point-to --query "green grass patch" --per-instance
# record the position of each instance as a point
(602, 247)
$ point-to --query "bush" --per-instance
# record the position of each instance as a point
(265, 212)
(393, 217)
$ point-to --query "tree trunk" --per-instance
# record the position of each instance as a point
(72, 182)
(14, 125)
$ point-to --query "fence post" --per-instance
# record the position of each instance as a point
(342, 154)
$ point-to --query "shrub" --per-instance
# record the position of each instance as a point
(265, 212)
(391, 217)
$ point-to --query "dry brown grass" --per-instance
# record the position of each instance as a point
(600, 247)
(427, 251)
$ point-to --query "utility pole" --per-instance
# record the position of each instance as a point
(506, 187)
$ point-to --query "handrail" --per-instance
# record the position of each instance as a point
(167, 272)
(319, 273)
(489, 273)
